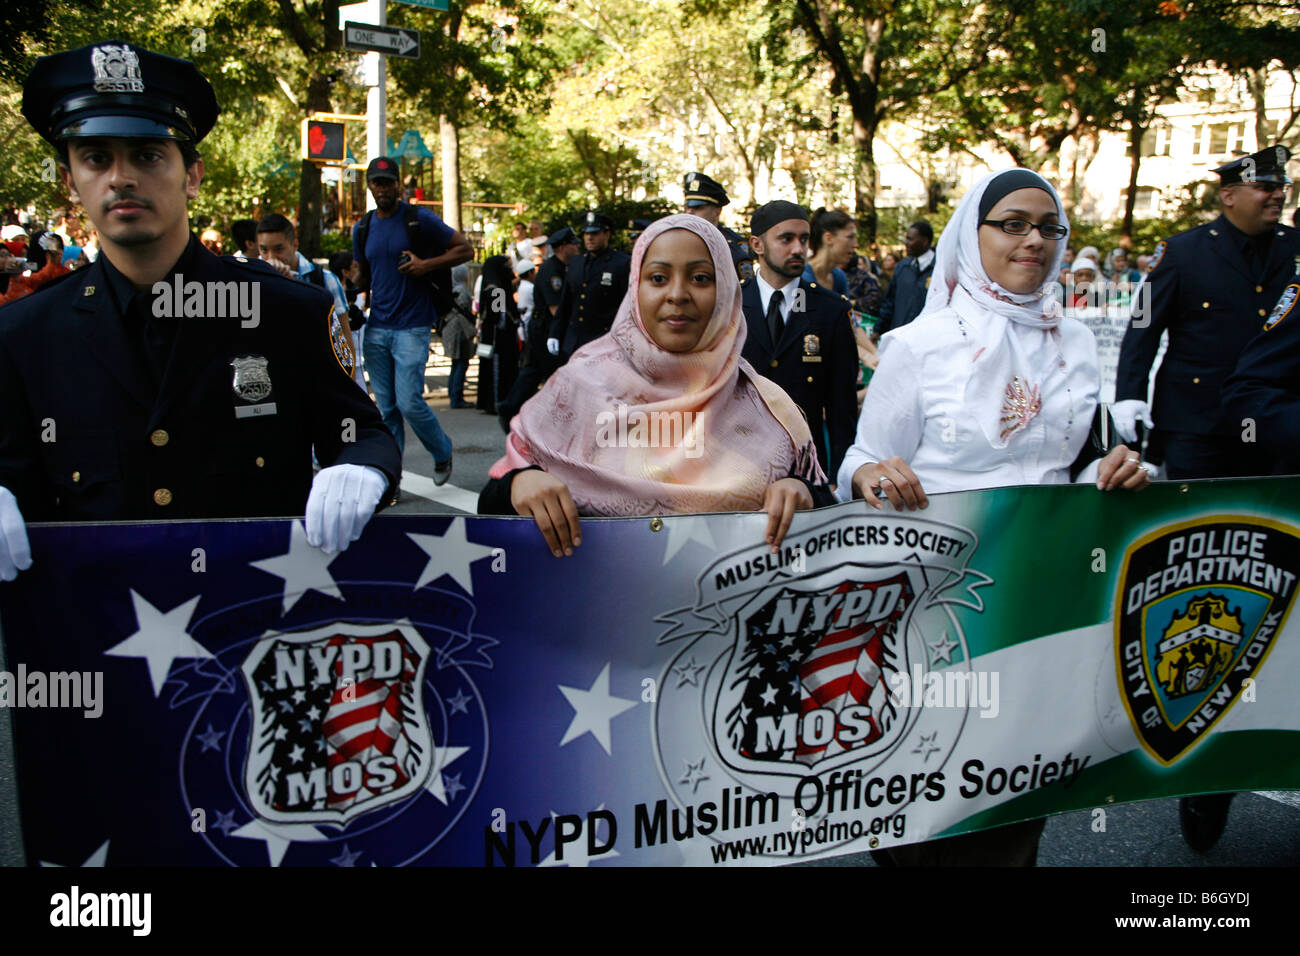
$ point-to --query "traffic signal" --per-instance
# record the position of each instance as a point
(323, 142)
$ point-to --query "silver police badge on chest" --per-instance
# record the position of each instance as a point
(607, 278)
(117, 69)
(252, 383)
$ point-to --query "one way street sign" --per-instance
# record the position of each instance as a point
(391, 41)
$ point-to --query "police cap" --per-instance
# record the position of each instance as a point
(702, 191)
(114, 89)
(593, 221)
(1266, 166)
(561, 236)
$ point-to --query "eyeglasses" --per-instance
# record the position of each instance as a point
(1021, 227)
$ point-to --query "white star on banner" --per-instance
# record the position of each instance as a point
(442, 756)
(161, 638)
(593, 710)
(683, 529)
(943, 650)
(302, 567)
(98, 858)
(575, 853)
(278, 836)
(450, 553)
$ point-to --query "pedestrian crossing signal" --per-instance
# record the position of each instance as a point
(323, 142)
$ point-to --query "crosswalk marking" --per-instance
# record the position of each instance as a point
(448, 494)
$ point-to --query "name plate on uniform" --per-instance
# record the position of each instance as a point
(255, 411)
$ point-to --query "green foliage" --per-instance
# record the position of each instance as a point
(332, 242)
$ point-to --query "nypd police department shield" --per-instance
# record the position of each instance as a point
(1199, 609)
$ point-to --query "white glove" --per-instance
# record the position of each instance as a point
(342, 499)
(1127, 414)
(553, 346)
(15, 551)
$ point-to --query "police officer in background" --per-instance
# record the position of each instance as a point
(705, 198)
(1212, 288)
(799, 334)
(594, 286)
(548, 290)
(1265, 388)
(127, 391)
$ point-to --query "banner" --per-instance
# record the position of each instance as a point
(448, 692)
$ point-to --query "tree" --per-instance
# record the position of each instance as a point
(482, 60)
(887, 57)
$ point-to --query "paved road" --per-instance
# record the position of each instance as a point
(1263, 830)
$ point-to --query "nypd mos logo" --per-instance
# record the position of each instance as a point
(338, 725)
(1199, 607)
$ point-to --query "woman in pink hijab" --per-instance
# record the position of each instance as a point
(662, 415)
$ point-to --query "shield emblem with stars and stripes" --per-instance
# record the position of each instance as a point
(807, 681)
(339, 727)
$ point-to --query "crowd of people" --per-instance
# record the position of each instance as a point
(775, 371)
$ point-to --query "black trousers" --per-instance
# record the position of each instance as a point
(1212, 456)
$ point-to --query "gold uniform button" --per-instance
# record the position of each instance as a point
(810, 378)
(1196, 380)
(159, 438)
(1259, 288)
(1205, 305)
(259, 461)
(1262, 313)
(775, 363)
(162, 497)
(76, 476)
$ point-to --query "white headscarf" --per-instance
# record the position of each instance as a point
(1003, 390)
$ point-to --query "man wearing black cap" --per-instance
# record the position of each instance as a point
(1212, 288)
(406, 254)
(705, 198)
(163, 381)
(594, 286)
(799, 334)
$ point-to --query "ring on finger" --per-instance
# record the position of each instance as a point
(885, 478)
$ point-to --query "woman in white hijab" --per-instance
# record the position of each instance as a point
(991, 385)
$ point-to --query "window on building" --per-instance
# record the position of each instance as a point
(1270, 133)
(1219, 134)
(1198, 139)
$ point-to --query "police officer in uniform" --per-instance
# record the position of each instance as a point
(705, 198)
(163, 381)
(1211, 287)
(594, 286)
(799, 334)
(1265, 388)
(548, 290)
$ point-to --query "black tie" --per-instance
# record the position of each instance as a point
(774, 324)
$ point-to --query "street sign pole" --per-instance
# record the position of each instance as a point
(377, 99)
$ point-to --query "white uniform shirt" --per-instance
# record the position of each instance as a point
(915, 406)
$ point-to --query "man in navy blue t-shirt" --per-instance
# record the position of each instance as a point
(402, 313)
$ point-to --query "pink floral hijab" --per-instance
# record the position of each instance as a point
(634, 429)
